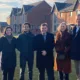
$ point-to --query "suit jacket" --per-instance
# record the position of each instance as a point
(48, 46)
(75, 49)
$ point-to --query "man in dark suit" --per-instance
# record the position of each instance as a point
(44, 47)
(75, 49)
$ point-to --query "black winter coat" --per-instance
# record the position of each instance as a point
(48, 45)
(25, 45)
(75, 48)
(8, 52)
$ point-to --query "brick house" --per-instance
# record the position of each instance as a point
(66, 12)
(35, 14)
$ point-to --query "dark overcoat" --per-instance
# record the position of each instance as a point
(47, 45)
(25, 46)
(75, 48)
(8, 52)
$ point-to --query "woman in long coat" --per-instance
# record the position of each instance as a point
(7, 46)
(62, 46)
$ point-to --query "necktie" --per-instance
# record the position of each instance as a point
(44, 36)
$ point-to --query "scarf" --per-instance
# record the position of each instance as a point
(9, 38)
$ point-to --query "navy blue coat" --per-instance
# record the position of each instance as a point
(25, 45)
(75, 48)
(48, 45)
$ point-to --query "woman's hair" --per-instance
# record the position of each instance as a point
(59, 33)
(59, 27)
(7, 28)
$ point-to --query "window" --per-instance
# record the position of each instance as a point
(60, 14)
(71, 14)
(77, 11)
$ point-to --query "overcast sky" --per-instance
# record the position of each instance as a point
(6, 6)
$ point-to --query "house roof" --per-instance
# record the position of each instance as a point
(15, 11)
(26, 9)
(29, 7)
(3, 24)
(60, 6)
(69, 5)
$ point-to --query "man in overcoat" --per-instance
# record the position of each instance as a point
(44, 47)
(75, 49)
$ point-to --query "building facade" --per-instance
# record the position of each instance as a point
(35, 14)
(65, 12)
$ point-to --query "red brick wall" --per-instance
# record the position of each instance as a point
(71, 19)
(66, 15)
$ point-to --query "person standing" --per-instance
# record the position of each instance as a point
(75, 50)
(8, 62)
(63, 47)
(25, 46)
(0, 59)
(44, 43)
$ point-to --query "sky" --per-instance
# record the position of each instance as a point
(7, 5)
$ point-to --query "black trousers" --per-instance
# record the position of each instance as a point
(8, 74)
(63, 76)
(50, 73)
(23, 66)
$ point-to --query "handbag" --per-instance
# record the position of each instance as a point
(61, 56)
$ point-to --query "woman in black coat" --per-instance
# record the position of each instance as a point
(7, 46)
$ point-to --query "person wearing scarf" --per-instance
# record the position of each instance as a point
(8, 46)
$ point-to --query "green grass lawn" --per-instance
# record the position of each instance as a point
(35, 71)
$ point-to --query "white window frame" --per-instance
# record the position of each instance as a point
(71, 13)
(61, 14)
(78, 11)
